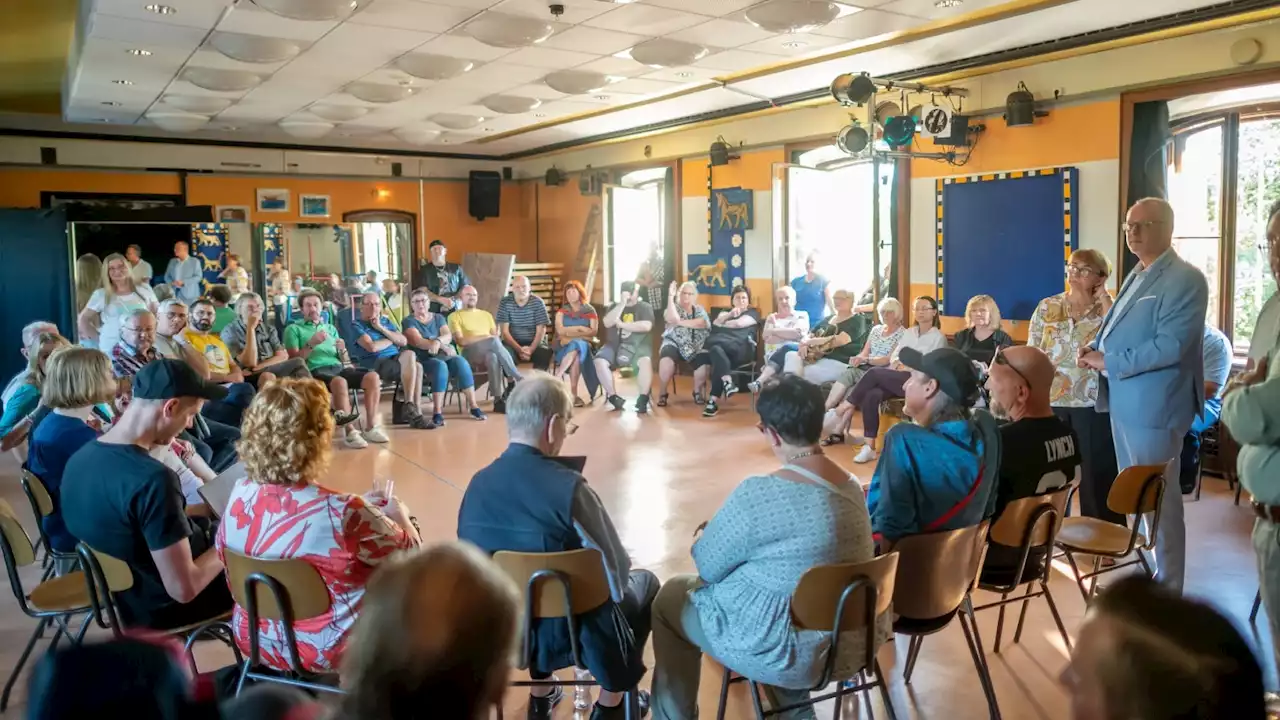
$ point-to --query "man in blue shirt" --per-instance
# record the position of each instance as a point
(380, 347)
(940, 472)
(184, 273)
(1217, 368)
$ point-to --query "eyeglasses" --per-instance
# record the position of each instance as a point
(1081, 270)
(1000, 359)
(1131, 228)
(141, 333)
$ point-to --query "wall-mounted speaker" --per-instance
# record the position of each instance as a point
(484, 194)
(48, 156)
(554, 178)
(397, 169)
(507, 173)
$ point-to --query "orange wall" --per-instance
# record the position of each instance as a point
(562, 214)
(21, 187)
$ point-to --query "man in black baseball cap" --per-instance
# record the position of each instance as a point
(114, 492)
(442, 279)
(940, 471)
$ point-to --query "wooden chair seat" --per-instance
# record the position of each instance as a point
(1096, 537)
(186, 629)
(66, 594)
(894, 407)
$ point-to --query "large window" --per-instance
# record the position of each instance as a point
(1224, 175)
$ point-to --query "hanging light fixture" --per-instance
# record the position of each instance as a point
(416, 135)
(853, 139)
(434, 67)
(378, 93)
(339, 113)
(306, 129)
(508, 31)
(853, 89)
(199, 104)
(309, 9)
(577, 82)
(664, 53)
(793, 16)
(220, 80)
(177, 121)
(253, 48)
(510, 104)
(456, 121)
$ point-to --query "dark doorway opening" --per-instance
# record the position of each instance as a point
(156, 241)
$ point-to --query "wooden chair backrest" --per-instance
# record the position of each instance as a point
(24, 553)
(936, 570)
(39, 493)
(584, 569)
(818, 594)
(305, 590)
(1126, 496)
(116, 572)
(1011, 527)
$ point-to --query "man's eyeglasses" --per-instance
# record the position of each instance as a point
(1132, 228)
(140, 333)
(1000, 359)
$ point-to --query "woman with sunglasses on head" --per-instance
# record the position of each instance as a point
(1060, 326)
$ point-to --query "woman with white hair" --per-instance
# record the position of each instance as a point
(687, 328)
(784, 330)
(877, 352)
(826, 353)
(110, 304)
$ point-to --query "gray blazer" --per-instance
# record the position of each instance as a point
(1155, 373)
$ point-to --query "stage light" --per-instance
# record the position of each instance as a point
(853, 89)
(853, 139)
(899, 130)
(1020, 107)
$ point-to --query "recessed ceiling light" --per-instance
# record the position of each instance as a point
(539, 114)
(160, 9)
(488, 129)
(684, 74)
(111, 103)
(948, 3)
(793, 44)
(121, 82)
(601, 97)
(139, 52)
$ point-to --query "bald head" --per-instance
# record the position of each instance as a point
(1149, 229)
(469, 296)
(1020, 382)
(520, 288)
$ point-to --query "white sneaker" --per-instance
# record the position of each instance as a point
(376, 435)
(865, 455)
(353, 439)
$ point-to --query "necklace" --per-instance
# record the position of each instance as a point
(804, 453)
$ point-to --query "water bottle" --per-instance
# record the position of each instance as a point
(581, 693)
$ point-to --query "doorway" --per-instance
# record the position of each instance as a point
(381, 242)
(635, 221)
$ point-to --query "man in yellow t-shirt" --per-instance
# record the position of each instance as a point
(476, 333)
(199, 337)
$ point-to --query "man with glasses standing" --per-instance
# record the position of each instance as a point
(1148, 352)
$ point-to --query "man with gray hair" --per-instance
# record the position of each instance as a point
(255, 345)
(523, 322)
(477, 336)
(529, 500)
(29, 334)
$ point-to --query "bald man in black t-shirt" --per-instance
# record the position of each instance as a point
(1040, 452)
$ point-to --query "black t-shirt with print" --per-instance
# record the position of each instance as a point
(736, 336)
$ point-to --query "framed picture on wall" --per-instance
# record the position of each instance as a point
(276, 201)
(233, 213)
(313, 206)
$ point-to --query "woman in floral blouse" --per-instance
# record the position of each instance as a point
(1061, 325)
(279, 511)
(687, 328)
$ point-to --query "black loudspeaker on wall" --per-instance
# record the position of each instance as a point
(484, 194)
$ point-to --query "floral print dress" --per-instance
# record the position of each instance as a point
(342, 536)
(688, 341)
(1055, 332)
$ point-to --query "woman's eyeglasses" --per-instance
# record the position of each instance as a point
(1081, 270)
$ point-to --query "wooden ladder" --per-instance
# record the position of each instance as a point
(584, 265)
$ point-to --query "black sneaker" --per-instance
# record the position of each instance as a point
(340, 418)
(540, 708)
(729, 390)
(711, 408)
(499, 406)
(600, 712)
(642, 404)
(617, 402)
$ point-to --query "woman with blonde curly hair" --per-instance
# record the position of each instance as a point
(281, 511)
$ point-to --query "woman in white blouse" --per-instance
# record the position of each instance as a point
(119, 296)
(882, 341)
(784, 330)
(883, 383)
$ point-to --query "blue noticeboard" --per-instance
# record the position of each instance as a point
(1007, 235)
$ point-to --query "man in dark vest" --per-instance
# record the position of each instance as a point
(527, 501)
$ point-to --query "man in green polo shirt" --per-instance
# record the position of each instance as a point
(317, 342)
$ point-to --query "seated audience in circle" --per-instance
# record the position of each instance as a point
(26, 397)
(731, 342)
(77, 380)
(223, 314)
(772, 529)
(476, 334)
(1147, 653)
(825, 354)
(438, 630)
(783, 331)
(256, 347)
(687, 328)
(629, 322)
(1217, 368)
(429, 337)
(1039, 452)
(884, 383)
(199, 336)
(882, 341)
(99, 321)
(30, 332)
(576, 324)
(171, 320)
(281, 511)
(522, 322)
(317, 343)
(982, 336)
(940, 472)
(526, 501)
(382, 348)
(140, 516)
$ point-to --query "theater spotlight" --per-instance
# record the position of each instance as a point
(853, 140)
(853, 89)
(720, 153)
(1020, 108)
(899, 130)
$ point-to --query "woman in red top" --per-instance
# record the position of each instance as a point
(576, 324)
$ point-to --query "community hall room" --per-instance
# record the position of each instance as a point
(470, 359)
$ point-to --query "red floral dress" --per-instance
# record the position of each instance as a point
(342, 536)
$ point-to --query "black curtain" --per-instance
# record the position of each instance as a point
(1148, 161)
(35, 278)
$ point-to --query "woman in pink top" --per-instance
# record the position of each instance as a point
(279, 511)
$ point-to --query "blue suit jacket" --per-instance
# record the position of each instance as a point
(1155, 373)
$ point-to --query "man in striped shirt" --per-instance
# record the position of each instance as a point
(523, 320)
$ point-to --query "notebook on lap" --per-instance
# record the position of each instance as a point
(217, 492)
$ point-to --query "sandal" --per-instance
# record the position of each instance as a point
(577, 402)
(832, 439)
(662, 400)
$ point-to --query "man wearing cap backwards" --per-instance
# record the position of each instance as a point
(126, 504)
(940, 472)
(443, 280)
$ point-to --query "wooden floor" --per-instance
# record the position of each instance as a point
(663, 474)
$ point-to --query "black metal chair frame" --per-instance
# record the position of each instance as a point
(861, 583)
(44, 618)
(1132, 547)
(632, 698)
(301, 678)
(1040, 513)
(51, 556)
(1257, 605)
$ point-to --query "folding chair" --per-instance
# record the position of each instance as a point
(836, 599)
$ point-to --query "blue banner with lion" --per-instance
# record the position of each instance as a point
(732, 214)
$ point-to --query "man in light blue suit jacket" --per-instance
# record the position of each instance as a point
(1149, 352)
(184, 273)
